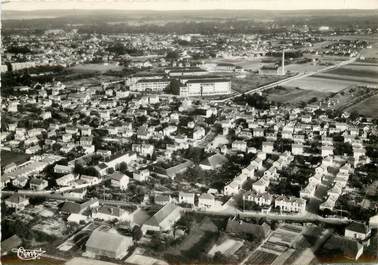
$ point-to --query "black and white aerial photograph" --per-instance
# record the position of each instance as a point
(189, 132)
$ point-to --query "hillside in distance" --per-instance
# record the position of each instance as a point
(194, 21)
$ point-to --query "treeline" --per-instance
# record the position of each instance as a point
(247, 27)
(288, 54)
(254, 100)
(120, 49)
(222, 19)
(18, 49)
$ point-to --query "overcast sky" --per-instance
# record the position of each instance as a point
(189, 4)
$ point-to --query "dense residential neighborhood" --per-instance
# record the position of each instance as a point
(175, 155)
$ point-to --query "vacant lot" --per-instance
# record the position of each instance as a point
(294, 95)
(371, 52)
(8, 157)
(253, 81)
(321, 84)
(367, 107)
(303, 68)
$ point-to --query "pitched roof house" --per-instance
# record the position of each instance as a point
(107, 242)
(164, 219)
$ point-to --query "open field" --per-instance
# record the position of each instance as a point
(294, 95)
(362, 66)
(322, 85)
(351, 78)
(303, 68)
(90, 81)
(8, 157)
(371, 52)
(367, 107)
(340, 78)
(253, 81)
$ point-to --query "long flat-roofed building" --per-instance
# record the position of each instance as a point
(187, 72)
(143, 76)
(206, 87)
(155, 85)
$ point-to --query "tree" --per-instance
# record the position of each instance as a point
(137, 233)
(313, 100)
(78, 169)
(254, 100)
(274, 225)
(172, 55)
(110, 170)
(123, 167)
(173, 87)
(354, 115)
(219, 258)
(343, 148)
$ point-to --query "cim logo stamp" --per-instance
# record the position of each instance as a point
(28, 254)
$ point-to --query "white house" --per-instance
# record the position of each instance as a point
(185, 197)
(141, 175)
(258, 132)
(66, 180)
(239, 146)
(373, 222)
(143, 149)
(308, 191)
(290, 204)
(38, 184)
(297, 149)
(267, 147)
(357, 230)
(119, 180)
(327, 150)
(199, 133)
(46, 115)
(232, 188)
(261, 184)
(206, 200)
(66, 137)
(286, 134)
(62, 169)
(109, 213)
(17, 202)
(261, 199)
(77, 194)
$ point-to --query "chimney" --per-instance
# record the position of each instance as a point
(283, 62)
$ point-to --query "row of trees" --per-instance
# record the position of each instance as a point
(254, 100)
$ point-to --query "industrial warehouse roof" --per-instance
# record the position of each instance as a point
(215, 80)
(202, 77)
(154, 80)
(186, 71)
(148, 74)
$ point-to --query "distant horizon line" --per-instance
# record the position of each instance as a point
(188, 10)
